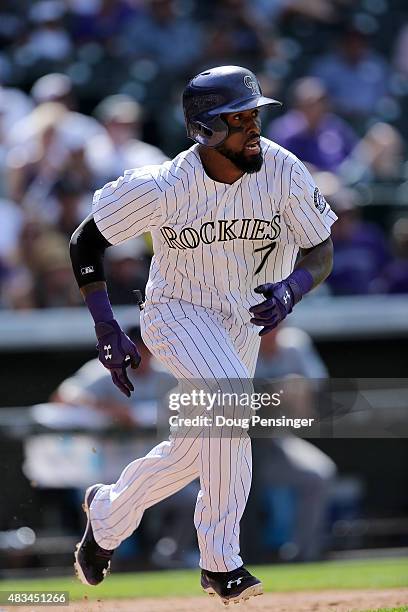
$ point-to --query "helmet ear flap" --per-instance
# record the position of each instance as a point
(208, 131)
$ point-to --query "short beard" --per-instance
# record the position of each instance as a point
(249, 165)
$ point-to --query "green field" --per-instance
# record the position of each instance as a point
(403, 609)
(371, 574)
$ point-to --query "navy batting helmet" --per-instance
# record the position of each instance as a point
(225, 89)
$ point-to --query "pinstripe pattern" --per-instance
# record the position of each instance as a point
(213, 244)
(204, 268)
(193, 343)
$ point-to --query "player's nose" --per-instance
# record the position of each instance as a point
(253, 126)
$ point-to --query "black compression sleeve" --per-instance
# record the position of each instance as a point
(87, 249)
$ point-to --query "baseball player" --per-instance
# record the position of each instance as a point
(240, 234)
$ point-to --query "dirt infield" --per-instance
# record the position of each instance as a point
(324, 601)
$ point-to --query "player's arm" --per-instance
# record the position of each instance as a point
(312, 268)
(116, 350)
(308, 218)
(317, 261)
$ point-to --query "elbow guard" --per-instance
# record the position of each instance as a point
(87, 249)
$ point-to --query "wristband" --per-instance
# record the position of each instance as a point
(99, 306)
(300, 282)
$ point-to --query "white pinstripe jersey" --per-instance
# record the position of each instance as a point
(214, 242)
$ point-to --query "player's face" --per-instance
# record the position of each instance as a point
(243, 146)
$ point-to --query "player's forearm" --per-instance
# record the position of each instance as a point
(318, 261)
(87, 249)
(116, 350)
(91, 287)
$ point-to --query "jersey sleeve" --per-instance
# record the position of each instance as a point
(128, 207)
(307, 214)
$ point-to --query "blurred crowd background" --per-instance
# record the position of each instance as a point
(92, 87)
(89, 88)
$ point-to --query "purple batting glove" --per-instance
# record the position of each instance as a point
(278, 304)
(116, 353)
(280, 299)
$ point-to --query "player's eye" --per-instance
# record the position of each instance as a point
(255, 113)
(236, 117)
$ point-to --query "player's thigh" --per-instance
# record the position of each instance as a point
(246, 341)
(191, 341)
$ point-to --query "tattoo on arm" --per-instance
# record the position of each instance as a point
(318, 261)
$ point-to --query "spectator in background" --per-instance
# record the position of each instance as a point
(57, 87)
(53, 87)
(394, 278)
(50, 160)
(83, 7)
(14, 105)
(361, 251)
(236, 36)
(290, 351)
(400, 55)
(18, 286)
(71, 201)
(53, 285)
(111, 153)
(41, 277)
(355, 75)
(377, 158)
(3, 148)
(286, 462)
(12, 27)
(48, 40)
(36, 164)
(12, 220)
(318, 137)
(35, 159)
(172, 42)
(48, 144)
(98, 20)
(127, 268)
(316, 10)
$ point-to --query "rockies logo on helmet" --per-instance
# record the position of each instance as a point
(224, 89)
(252, 85)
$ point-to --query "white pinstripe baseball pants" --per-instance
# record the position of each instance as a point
(193, 343)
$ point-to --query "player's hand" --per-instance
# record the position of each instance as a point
(116, 353)
(278, 304)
